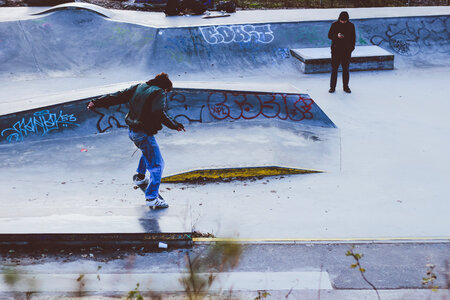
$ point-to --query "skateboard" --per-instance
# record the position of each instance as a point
(215, 15)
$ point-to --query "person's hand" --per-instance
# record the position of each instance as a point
(91, 105)
(340, 35)
(180, 127)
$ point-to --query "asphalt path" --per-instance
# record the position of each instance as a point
(396, 270)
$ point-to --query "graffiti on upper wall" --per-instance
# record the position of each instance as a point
(235, 106)
(225, 34)
(412, 38)
(282, 53)
(310, 35)
(40, 123)
(42, 23)
(125, 36)
(182, 49)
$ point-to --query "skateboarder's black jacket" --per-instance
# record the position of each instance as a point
(147, 107)
(346, 44)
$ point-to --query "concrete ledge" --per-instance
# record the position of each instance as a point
(364, 58)
(174, 240)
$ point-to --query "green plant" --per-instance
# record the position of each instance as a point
(11, 276)
(428, 281)
(262, 295)
(135, 294)
(81, 280)
(357, 265)
(220, 257)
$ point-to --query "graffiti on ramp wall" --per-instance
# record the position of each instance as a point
(184, 105)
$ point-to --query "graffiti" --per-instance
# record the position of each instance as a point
(224, 105)
(41, 122)
(108, 120)
(412, 38)
(237, 34)
(235, 106)
(191, 120)
(183, 49)
(314, 35)
(126, 36)
(282, 53)
(42, 23)
(180, 101)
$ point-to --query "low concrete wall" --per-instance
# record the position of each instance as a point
(185, 105)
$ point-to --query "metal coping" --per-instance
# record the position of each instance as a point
(323, 240)
(92, 237)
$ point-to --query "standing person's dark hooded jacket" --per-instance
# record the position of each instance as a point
(346, 44)
(147, 107)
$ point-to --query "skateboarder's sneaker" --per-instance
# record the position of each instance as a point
(157, 203)
(139, 179)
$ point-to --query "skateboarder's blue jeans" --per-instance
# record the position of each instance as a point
(151, 161)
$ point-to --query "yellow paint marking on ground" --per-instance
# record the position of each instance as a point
(243, 240)
(235, 173)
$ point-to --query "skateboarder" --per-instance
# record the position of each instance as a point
(146, 115)
(342, 36)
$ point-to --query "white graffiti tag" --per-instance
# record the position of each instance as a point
(237, 34)
(40, 122)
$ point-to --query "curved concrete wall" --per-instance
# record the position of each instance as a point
(71, 42)
(79, 41)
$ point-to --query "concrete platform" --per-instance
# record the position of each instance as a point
(364, 58)
(390, 169)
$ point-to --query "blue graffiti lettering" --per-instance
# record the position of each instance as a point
(41, 122)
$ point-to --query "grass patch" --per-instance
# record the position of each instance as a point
(270, 4)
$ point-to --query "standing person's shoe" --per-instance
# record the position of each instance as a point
(157, 203)
(347, 90)
(331, 90)
(139, 179)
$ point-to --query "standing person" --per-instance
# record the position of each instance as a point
(342, 36)
(146, 115)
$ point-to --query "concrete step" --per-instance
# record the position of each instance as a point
(364, 58)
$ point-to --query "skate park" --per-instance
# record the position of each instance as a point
(66, 57)
(367, 166)
(48, 70)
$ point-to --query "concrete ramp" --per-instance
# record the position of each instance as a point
(76, 42)
(226, 130)
(71, 43)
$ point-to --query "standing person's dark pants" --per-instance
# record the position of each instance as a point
(340, 58)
